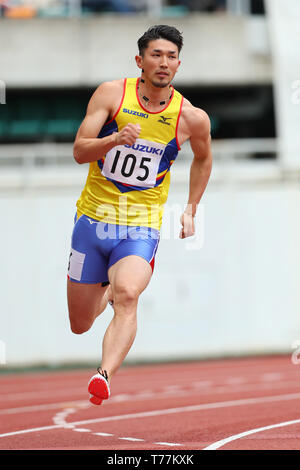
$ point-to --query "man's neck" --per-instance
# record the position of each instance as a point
(153, 96)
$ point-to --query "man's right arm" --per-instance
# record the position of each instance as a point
(103, 104)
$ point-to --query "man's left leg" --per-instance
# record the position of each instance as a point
(128, 278)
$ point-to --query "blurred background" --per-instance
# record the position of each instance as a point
(233, 289)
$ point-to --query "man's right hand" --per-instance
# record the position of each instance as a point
(128, 135)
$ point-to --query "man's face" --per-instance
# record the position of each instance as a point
(160, 62)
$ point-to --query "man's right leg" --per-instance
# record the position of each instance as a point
(87, 267)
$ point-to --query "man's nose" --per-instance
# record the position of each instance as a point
(163, 62)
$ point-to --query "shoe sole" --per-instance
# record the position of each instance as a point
(98, 387)
(95, 400)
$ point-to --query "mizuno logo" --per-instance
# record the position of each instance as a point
(135, 113)
(164, 119)
(92, 221)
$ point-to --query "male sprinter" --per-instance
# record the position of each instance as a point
(130, 137)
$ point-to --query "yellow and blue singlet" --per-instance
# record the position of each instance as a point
(129, 185)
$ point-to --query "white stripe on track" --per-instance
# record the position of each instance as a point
(45, 407)
(222, 442)
(41, 393)
(149, 394)
(82, 430)
(195, 388)
(166, 411)
(133, 439)
(26, 431)
(167, 443)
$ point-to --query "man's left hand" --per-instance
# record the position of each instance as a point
(188, 226)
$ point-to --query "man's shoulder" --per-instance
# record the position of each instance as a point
(106, 95)
(192, 112)
(193, 117)
(110, 86)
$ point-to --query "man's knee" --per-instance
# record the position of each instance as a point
(126, 295)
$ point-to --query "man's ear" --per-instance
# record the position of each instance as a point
(139, 60)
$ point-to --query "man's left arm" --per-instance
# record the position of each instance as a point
(200, 141)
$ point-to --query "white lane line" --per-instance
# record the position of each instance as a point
(222, 442)
(203, 383)
(39, 386)
(167, 444)
(184, 409)
(6, 396)
(26, 431)
(61, 417)
(49, 406)
(103, 434)
(120, 398)
(271, 377)
(131, 439)
(40, 394)
(166, 411)
(235, 380)
(195, 388)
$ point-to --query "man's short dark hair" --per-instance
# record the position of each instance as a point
(160, 32)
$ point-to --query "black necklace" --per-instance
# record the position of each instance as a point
(161, 102)
(147, 100)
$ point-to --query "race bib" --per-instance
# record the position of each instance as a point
(136, 165)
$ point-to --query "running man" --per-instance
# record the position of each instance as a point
(130, 136)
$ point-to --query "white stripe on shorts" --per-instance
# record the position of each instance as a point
(76, 262)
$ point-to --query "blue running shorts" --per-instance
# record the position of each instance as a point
(96, 246)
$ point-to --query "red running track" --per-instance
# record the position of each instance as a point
(237, 404)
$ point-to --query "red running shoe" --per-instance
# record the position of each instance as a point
(98, 387)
